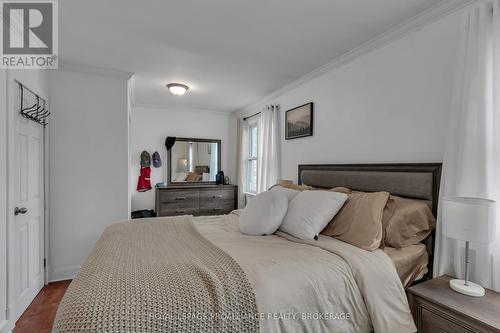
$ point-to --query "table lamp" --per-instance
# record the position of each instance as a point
(471, 220)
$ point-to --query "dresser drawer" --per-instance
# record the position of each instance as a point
(433, 323)
(216, 198)
(222, 210)
(183, 198)
(168, 210)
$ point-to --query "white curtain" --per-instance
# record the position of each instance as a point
(243, 151)
(471, 162)
(268, 159)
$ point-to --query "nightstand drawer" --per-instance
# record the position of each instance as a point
(433, 323)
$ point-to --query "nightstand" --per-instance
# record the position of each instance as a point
(436, 308)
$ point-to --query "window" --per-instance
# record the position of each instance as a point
(252, 160)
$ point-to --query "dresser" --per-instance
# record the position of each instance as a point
(196, 200)
(436, 308)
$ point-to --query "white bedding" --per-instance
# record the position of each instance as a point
(314, 286)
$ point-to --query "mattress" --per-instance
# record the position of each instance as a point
(410, 262)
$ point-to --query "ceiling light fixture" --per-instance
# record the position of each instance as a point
(177, 89)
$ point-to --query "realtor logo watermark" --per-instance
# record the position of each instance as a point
(29, 38)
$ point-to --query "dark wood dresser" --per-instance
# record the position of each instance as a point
(196, 200)
(436, 308)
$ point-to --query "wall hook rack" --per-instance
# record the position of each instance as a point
(36, 112)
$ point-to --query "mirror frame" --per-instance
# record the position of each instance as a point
(169, 161)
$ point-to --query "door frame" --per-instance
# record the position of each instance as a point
(4, 317)
(12, 83)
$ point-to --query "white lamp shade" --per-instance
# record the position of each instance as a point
(468, 219)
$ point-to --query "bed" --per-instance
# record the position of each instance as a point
(185, 274)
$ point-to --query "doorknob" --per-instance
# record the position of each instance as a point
(22, 210)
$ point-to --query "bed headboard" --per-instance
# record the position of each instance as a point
(412, 180)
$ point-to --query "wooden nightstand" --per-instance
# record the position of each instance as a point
(436, 308)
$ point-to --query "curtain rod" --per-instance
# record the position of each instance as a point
(255, 114)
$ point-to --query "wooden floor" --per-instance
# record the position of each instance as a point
(39, 316)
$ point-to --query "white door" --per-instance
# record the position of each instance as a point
(29, 210)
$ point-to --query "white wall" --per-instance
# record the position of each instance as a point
(89, 162)
(389, 105)
(150, 126)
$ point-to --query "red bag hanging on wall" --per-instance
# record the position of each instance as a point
(144, 183)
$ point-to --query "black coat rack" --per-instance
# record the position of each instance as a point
(36, 112)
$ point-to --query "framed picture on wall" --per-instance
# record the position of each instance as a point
(299, 122)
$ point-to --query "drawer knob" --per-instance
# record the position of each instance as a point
(217, 196)
(180, 198)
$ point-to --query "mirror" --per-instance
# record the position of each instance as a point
(193, 161)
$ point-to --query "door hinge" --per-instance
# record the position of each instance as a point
(44, 262)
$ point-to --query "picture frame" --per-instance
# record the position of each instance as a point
(299, 121)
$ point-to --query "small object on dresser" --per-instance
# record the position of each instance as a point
(219, 178)
(437, 308)
(468, 219)
(226, 180)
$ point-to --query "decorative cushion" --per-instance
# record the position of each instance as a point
(310, 211)
(359, 222)
(264, 213)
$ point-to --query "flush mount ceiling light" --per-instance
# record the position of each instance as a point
(177, 88)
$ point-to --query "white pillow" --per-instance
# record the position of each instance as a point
(290, 193)
(310, 212)
(264, 213)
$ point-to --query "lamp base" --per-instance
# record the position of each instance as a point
(472, 289)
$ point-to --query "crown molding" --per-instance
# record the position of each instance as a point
(167, 107)
(87, 69)
(429, 16)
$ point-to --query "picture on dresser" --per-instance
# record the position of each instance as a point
(299, 122)
(192, 160)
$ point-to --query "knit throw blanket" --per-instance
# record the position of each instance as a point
(158, 275)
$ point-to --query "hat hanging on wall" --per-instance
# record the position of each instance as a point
(145, 159)
(156, 160)
(169, 142)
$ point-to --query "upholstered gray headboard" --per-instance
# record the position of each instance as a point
(413, 180)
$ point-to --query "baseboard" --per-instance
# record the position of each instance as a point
(67, 273)
(6, 326)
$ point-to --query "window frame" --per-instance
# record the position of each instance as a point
(251, 158)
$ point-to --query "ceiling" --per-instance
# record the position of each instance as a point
(230, 52)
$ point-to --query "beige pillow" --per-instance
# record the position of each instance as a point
(359, 222)
(342, 190)
(407, 222)
(292, 186)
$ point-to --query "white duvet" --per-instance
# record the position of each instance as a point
(314, 286)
